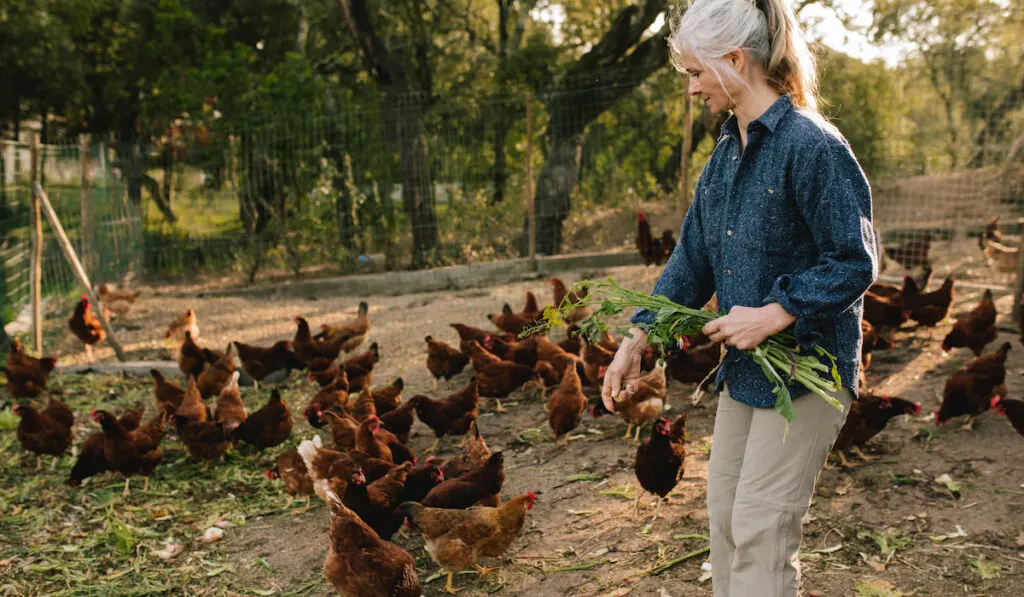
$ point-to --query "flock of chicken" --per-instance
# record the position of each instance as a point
(370, 478)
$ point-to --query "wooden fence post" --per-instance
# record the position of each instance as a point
(36, 273)
(531, 204)
(1018, 288)
(76, 267)
(86, 227)
(684, 159)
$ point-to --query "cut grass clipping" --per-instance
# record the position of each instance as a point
(780, 358)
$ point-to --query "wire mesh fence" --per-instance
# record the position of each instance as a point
(409, 183)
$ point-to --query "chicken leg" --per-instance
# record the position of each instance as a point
(127, 490)
(433, 446)
(629, 431)
(637, 438)
(483, 571)
(449, 586)
(498, 408)
(856, 450)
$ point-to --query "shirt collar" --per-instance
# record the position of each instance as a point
(769, 118)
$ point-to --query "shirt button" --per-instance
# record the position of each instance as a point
(735, 157)
(771, 191)
(729, 232)
(729, 271)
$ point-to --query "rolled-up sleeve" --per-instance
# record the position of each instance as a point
(687, 278)
(834, 198)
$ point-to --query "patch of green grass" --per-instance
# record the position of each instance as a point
(887, 541)
(57, 540)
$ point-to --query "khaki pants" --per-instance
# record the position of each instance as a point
(759, 488)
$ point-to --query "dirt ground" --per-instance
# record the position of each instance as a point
(884, 528)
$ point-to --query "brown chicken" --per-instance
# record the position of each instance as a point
(872, 341)
(886, 311)
(573, 342)
(482, 486)
(387, 398)
(928, 308)
(328, 397)
(343, 427)
(511, 322)
(912, 253)
(203, 441)
(361, 564)
(168, 394)
(694, 364)
(184, 323)
(456, 539)
(975, 329)
(474, 453)
(366, 360)
(497, 379)
(363, 407)
(868, 416)
(307, 348)
(324, 465)
(230, 410)
(192, 407)
(369, 444)
(660, 457)
(214, 377)
(566, 405)
(400, 453)
(27, 376)
(291, 470)
(377, 503)
(443, 360)
(47, 431)
(1000, 257)
(358, 378)
(192, 358)
(451, 415)
(86, 326)
(399, 421)
(645, 404)
(969, 391)
(651, 249)
(131, 452)
(596, 360)
(420, 480)
(354, 332)
(267, 427)
(260, 362)
(467, 334)
(558, 293)
(524, 352)
(1011, 409)
(325, 371)
(117, 301)
(91, 461)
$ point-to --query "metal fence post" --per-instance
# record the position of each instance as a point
(531, 204)
(36, 272)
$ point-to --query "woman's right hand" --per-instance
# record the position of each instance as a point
(622, 375)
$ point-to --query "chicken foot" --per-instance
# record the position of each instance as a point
(498, 408)
(449, 586)
(483, 571)
(860, 454)
(629, 431)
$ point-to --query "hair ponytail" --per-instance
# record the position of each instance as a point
(767, 29)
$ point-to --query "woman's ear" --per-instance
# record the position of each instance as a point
(738, 59)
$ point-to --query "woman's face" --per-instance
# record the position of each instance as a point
(705, 85)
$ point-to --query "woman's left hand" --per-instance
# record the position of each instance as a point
(746, 327)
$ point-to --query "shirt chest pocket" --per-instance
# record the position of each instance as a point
(771, 220)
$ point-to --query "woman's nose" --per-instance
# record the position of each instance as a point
(694, 87)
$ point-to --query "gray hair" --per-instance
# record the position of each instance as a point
(767, 29)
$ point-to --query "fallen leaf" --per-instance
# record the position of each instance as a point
(959, 532)
(948, 482)
(873, 562)
(212, 534)
(169, 551)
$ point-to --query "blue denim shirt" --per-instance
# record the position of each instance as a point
(786, 220)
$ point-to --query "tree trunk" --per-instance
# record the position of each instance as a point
(404, 118)
(403, 99)
(555, 183)
(995, 129)
(615, 66)
(500, 120)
